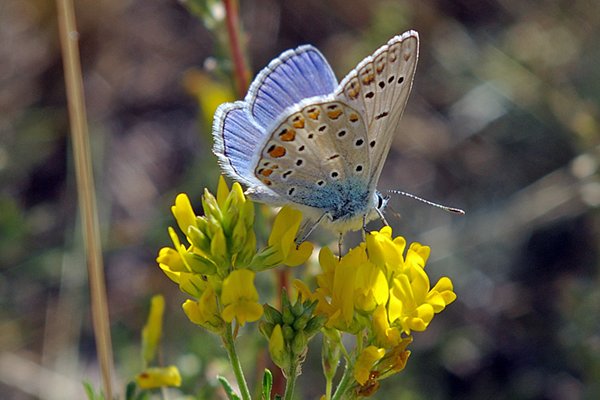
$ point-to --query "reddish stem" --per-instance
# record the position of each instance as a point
(237, 56)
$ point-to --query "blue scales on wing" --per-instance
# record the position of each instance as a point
(294, 76)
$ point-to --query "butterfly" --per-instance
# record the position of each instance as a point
(301, 138)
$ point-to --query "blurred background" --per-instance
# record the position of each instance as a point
(503, 121)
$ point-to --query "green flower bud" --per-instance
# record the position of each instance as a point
(299, 344)
(218, 249)
(248, 251)
(198, 239)
(272, 314)
(297, 309)
(199, 264)
(288, 332)
(286, 309)
(314, 325)
(210, 206)
(266, 328)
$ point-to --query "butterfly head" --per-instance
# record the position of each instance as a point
(381, 201)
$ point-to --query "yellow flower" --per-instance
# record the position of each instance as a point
(371, 287)
(205, 312)
(366, 362)
(240, 298)
(153, 378)
(152, 331)
(412, 303)
(385, 335)
(337, 286)
(170, 261)
(386, 252)
(184, 213)
(283, 235)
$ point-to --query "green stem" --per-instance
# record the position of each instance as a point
(235, 363)
(344, 383)
(290, 383)
(328, 387)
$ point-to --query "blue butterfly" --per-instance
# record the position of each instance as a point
(301, 138)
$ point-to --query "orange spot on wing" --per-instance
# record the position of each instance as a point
(298, 122)
(380, 64)
(353, 89)
(287, 135)
(265, 172)
(277, 151)
(267, 182)
(353, 117)
(367, 76)
(313, 113)
(335, 114)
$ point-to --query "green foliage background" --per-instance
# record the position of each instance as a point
(502, 121)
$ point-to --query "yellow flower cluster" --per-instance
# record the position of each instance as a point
(378, 292)
(218, 262)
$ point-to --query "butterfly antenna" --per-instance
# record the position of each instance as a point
(431, 203)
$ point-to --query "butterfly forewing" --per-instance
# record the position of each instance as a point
(379, 87)
(292, 77)
(316, 155)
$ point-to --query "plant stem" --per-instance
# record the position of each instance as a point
(344, 383)
(237, 55)
(235, 363)
(328, 387)
(85, 188)
(290, 383)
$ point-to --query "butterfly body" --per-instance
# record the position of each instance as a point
(300, 138)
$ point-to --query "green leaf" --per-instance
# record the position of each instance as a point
(89, 390)
(91, 393)
(130, 391)
(228, 389)
(267, 385)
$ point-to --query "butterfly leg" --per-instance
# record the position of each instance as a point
(341, 237)
(382, 217)
(307, 227)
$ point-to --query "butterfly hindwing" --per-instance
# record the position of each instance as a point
(379, 88)
(316, 155)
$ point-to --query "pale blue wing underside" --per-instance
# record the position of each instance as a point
(292, 77)
(240, 128)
